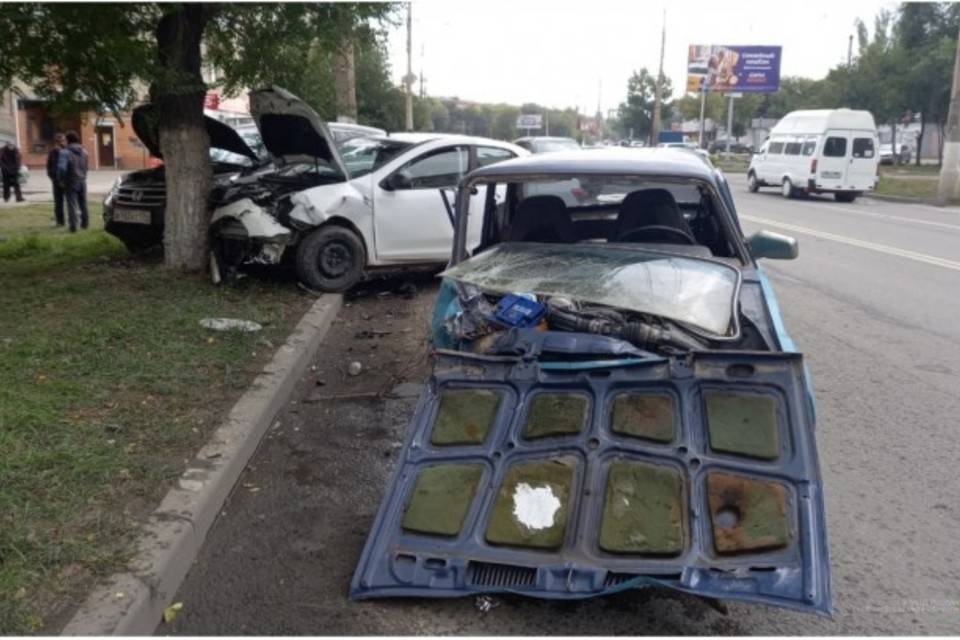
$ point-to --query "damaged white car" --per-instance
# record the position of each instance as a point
(383, 201)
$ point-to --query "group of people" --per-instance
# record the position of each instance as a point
(10, 162)
(67, 166)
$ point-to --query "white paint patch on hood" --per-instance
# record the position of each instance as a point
(535, 507)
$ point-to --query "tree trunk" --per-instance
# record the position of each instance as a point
(940, 141)
(923, 122)
(893, 142)
(179, 92)
(345, 84)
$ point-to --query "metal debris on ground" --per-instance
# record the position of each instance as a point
(230, 324)
(485, 603)
(354, 368)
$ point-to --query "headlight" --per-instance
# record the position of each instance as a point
(113, 191)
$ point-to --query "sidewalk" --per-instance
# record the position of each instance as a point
(39, 189)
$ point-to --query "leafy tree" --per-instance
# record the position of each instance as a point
(159, 45)
(636, 113)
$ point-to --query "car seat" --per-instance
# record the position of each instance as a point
(541, 219)
(651, 215)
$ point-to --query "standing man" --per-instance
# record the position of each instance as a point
(76, 182)
(54, 173)
(10, 168)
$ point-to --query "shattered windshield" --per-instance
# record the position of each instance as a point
(696, 292)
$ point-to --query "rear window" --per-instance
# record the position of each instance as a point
(775, 147)
(835, 147)
(862, 147)
(792, 149)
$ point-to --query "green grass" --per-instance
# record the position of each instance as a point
(107, 386)
(733, 164)
(909, 170)
(907, 187)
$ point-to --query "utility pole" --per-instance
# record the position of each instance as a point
(949, 187)
(409, 79)
(422, 89)
(703, 109)
(850, 50)
(729, 123)
(658, 86)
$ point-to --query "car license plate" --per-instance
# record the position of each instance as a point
(133, 216)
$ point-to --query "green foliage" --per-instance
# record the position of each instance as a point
(636, 113)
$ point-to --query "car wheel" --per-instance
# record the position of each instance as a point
(331, 259)
(847, 196)
(752, 184)
(786, 189)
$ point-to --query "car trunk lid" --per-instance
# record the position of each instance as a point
(571, 479)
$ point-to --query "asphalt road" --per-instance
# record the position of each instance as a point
(873, 302)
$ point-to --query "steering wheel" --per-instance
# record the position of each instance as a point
(655, 233)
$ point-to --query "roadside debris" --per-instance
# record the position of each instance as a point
(485, 603)
(171, 612)
(230, 324)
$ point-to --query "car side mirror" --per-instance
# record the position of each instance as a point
(398, 180)
(776, 246)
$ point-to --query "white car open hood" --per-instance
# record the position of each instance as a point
(292, 131)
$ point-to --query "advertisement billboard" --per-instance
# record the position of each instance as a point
(529, 121)
(747, 69)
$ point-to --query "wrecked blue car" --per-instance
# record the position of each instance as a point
(614, 401)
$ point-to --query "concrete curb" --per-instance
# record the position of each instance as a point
(132, 603)
(904, 199)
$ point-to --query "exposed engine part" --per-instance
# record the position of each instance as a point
(609, 322)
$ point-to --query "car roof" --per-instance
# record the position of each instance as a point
(661, 162)
(447, 138)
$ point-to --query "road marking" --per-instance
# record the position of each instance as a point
(846, 209)
(863, 244)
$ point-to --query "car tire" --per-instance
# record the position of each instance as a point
(846, 196)
(753, 185)
(787, 190)
(331, 259)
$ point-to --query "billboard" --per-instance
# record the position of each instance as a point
(748, 69)
(529, 121)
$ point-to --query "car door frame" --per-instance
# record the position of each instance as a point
(379, 193)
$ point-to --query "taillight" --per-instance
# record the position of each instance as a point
(813, 166)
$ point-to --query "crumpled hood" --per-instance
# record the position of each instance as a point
(291, 130)
(145, 121)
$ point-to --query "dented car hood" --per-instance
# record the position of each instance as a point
(571, 477)
(292, 131)
(145, 121)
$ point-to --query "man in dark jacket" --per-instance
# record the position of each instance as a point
(76, 182)
(53, 170)
(10, 168)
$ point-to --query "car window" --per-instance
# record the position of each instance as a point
(548, 146)
(491, 155)
(809, 147)
(862, 147)
(364, 155)
(792, 149)
(835, 147)
(440, 169)
(775, 147)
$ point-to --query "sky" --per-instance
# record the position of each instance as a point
(570, 54)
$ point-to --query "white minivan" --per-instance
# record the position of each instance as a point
(819, 151)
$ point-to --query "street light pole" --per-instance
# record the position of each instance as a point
(949, 187)
(658, 86)
(703, 109)
(409, 79)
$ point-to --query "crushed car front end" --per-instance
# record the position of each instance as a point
(606, 413)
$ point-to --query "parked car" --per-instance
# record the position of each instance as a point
(689, 146)
(337, 213)
(614, 401)
(547, 144)
(818, 151)
(720, 146)
(133, 210)
(887, 155)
